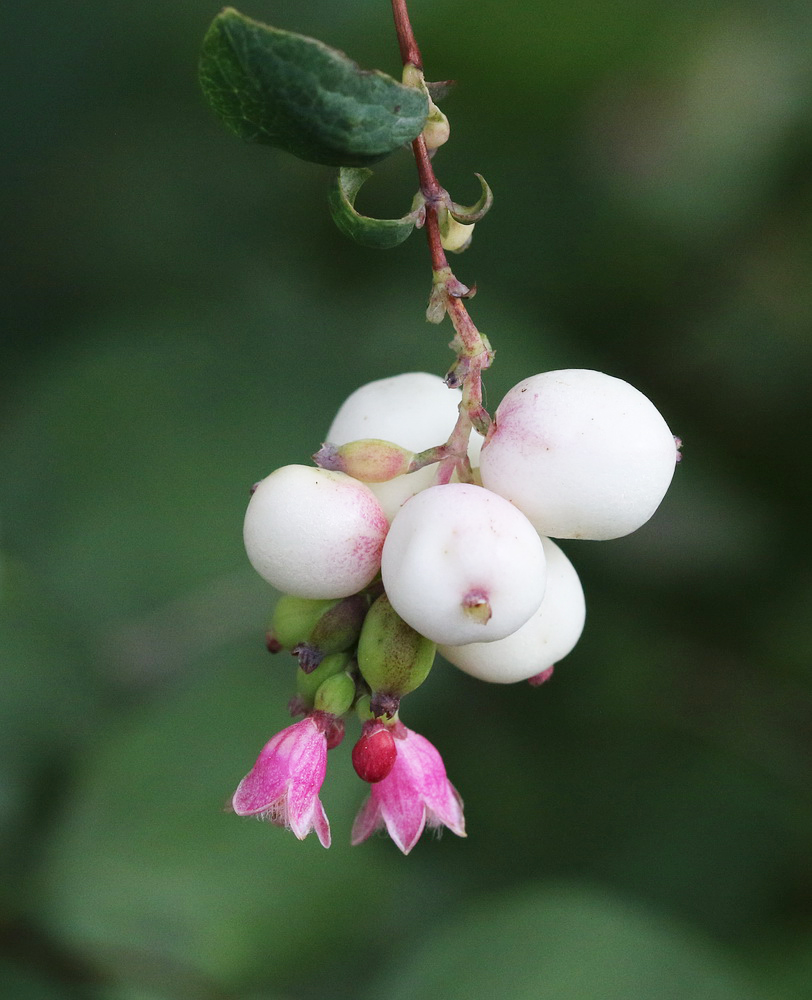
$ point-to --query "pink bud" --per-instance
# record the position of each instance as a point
(373, 756)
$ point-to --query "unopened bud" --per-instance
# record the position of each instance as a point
(370, 460)
(308, 684)
(374, 755)
(436, 130)
(336, 695)
(454, 236)
(392, 657)
(336, 630)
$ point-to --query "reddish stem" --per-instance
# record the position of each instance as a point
(409, 51)
(468, 339)
(433, 192)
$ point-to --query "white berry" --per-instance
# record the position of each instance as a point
(414, 410)
(541, 642)
(461, 564)
(582, 454)
(313, 533)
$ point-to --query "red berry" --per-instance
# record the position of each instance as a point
(373, 756)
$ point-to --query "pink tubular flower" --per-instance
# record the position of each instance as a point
(416, 792)
(283, 786)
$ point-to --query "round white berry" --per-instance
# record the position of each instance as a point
(313, 533)
(541, 642)
(415, 410)
(582, 454)
(461, 564)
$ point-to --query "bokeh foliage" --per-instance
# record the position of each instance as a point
(181, 316)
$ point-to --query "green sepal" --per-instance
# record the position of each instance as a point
(300, 95)
(294, 618)
(473, 213)
(308, 684)
(392, 657)
(335, 695)
(379, 234)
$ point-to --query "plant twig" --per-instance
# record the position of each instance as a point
(409, 52)
(473, 350)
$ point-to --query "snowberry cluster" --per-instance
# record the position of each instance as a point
(425, 523)
(394, 546)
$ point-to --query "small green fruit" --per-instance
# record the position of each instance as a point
(308, 684)
(294, 618)
(392, 657)
(335, 695)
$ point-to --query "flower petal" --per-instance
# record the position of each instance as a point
(401, 805)
(405, 822)
(447, 811)
(266, 782)
(321, 824)
(367, 821)
(283, 785)
(301, 822)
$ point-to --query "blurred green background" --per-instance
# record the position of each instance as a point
(181, 317)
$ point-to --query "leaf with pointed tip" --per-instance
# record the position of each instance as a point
(473, 213)
(380, 234)
(300, 95)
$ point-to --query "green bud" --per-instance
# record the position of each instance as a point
(436, 130)
(370, 460)
(335, 695)
(454, 236)
(363, 708)
(294, 618)
(336, 630)
(308, 684)
(392, 657)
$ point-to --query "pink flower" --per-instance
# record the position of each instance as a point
(283, 786)
(416, 792)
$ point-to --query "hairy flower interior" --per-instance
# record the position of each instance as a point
(276, 813)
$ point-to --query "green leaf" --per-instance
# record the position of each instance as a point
(473, 213)
(564, 942)
(23, 983)
(296, 93)
(380, 234)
